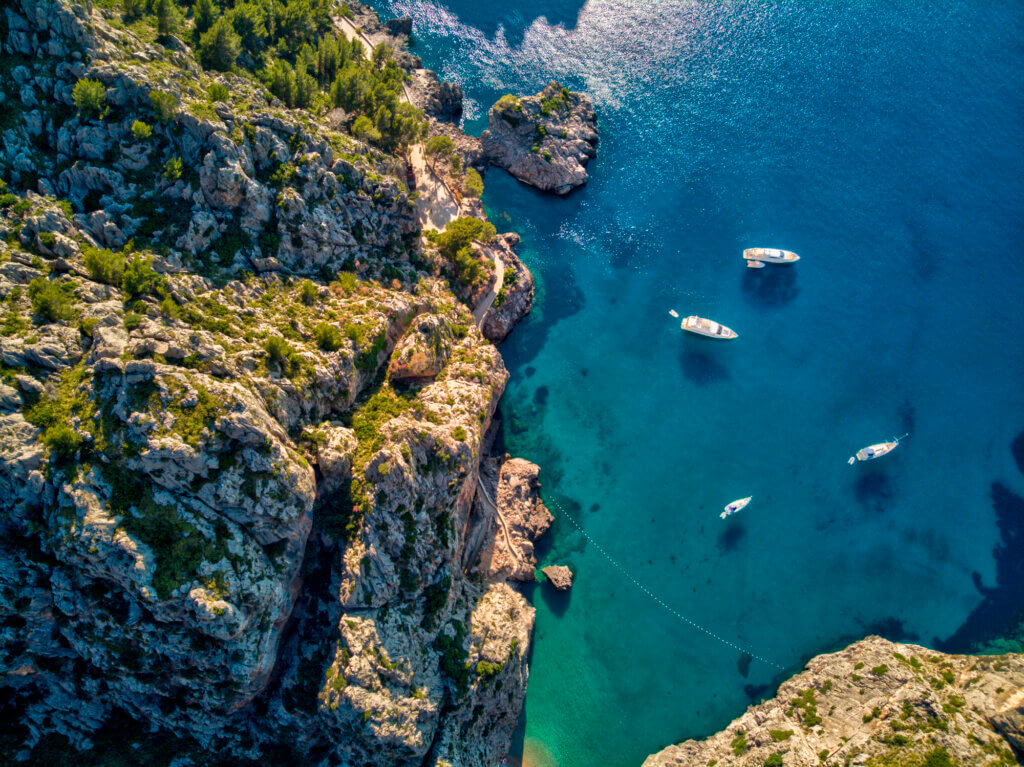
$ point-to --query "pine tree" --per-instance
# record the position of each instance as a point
(205, 13)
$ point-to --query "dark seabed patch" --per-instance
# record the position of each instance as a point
(743, 664)
(1000, 611)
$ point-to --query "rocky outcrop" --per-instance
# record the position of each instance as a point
(515, 299)
(558, 576)
(508, 516)
(876, 703)
(544, 140)
(423, 350)
(439, 99)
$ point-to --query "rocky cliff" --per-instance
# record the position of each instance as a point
(240, 427)
(877, 704)
(544, 140)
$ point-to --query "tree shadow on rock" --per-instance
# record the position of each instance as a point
(771, 287)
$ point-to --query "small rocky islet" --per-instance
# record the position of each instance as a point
(251, 510)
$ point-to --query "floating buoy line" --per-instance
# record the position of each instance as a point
(656, 598)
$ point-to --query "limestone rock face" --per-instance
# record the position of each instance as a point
(560, 576)
(544, 140)
(508, 507)
(422, 352)
(876, 702)
(515, 299)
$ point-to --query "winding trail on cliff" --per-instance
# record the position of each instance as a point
(501, 519)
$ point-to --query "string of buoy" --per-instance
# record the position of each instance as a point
(656, 598)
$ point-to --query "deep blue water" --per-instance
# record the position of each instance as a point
(884, 142)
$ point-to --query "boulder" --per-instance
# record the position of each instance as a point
(558, 576)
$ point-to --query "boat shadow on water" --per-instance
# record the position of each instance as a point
(873, 489)
(771, 287)
(729, 539)
(699, 365)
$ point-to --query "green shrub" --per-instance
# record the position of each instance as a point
(506, 103)
(307, 293)
(283, 355)
(172, 169)
(474, 184)
(459, 433)
(739, 742)
(7, 200)
(62, 440)
(52, 301)
(141, 131)
(347, 282)
(90, 97)
(780, 735)
(487, 668)
(879, 670)
(219, 46)
(468, 269)
(87, 325)
(139, 277)
(217, 92)
(104, 265)
(165, 105)
(461, 232)
(132, 320)
(328, 337)
(169, 308)
(775, 760)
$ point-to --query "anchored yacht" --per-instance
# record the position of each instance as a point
(875, 451)
(706, 327)
(768, 256)
(735, 506)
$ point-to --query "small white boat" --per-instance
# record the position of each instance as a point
(673, 312)
(735, 506)
(755, 264)
(770, 256)
(706, 327)
(875, 451)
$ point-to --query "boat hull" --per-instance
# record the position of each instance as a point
(871, 452)
(735, 506)
(707, 328)
(770, 255)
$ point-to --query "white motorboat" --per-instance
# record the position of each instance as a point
(735, 506)
(755, 264)
(875, 451)
(769, 256)
(673, 312)
(705, 327)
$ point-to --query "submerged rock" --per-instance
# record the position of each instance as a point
(544, 140)
(559, 576)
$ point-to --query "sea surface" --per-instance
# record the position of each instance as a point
(883, 142)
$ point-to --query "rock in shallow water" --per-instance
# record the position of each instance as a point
(559, 576)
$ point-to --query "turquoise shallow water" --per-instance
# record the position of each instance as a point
(881, 141)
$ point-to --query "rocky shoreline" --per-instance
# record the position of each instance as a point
(878, 704)
(243, 423)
